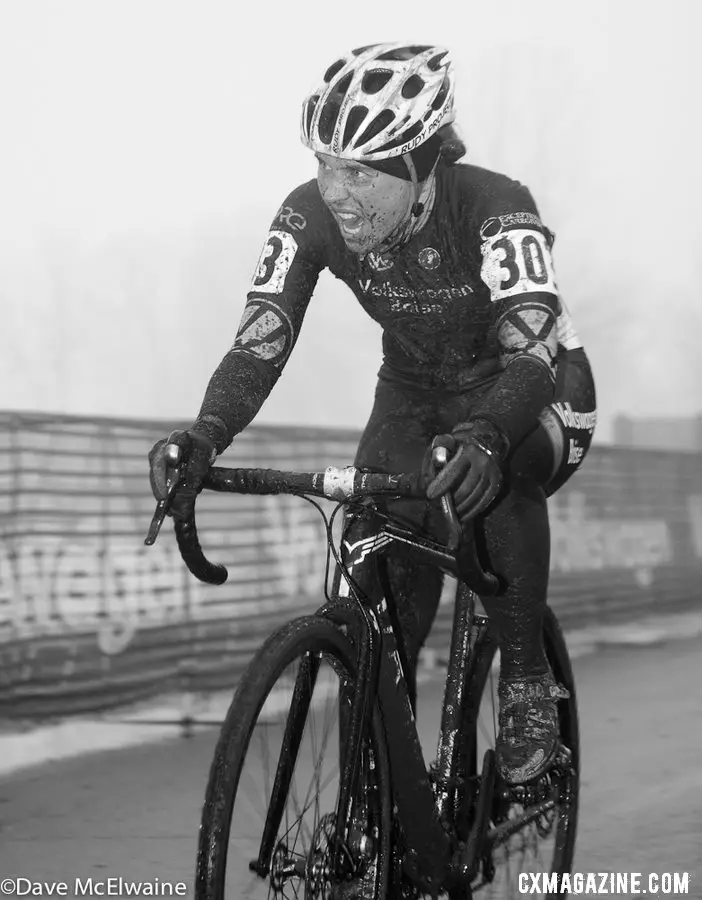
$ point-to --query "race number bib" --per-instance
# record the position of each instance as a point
(274, 263)
(516, 262)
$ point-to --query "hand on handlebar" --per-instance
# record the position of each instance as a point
(185, 456)
(473, 473)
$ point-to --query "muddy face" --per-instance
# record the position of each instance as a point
(368, 205)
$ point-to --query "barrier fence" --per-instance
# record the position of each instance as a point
(90, 618)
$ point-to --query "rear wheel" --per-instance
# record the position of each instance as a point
(532, 828)
(276, 772)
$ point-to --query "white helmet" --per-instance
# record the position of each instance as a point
(379, 102)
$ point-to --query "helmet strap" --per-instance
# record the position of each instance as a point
(417, 207)
(419, 212)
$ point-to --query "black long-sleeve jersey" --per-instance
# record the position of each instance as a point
(469, 301)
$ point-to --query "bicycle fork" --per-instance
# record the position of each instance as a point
(356, 709)
(292, 738)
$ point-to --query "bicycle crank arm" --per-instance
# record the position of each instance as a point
(505, 830)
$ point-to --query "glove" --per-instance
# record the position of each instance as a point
(473, 473)
(198, 454)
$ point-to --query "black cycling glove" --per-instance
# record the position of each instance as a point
(198, 453)
(473, 473)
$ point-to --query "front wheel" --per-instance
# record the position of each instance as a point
(268, 819)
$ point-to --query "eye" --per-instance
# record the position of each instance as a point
(360, 175)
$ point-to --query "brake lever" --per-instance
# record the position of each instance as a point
(174, 455)
(439, 457)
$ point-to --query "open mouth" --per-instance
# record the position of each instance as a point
(349, 222)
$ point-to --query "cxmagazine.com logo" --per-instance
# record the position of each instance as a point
(623, 883)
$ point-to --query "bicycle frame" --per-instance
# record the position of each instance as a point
(425, 814)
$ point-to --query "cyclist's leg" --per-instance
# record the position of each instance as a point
(395, 439)
(518, 543)
(517, 526)
(570, 420)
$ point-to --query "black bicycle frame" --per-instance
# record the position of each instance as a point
(422, 812)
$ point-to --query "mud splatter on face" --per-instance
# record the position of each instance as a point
(368, 205)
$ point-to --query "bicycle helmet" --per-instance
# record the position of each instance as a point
(379, 102)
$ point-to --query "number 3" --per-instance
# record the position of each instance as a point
(267, 264)
(274, 263)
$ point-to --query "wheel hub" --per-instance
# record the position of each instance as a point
(319, 860)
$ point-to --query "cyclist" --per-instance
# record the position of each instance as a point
(455, 264)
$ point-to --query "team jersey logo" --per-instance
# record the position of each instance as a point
(516, 262)
(379, 262)
(274, 263)
(429, 258)
(529, 331)
(287, 216)
(496, 224)
(582, 421)
(266, 332)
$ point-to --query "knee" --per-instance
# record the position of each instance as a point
(531, 462)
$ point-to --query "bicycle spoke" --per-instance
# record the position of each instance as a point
(274, 711)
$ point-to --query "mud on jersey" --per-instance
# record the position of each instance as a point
(471, 293)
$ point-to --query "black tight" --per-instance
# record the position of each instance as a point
(516, 529)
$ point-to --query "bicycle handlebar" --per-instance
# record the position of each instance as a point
(333, 483)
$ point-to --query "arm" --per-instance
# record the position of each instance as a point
(281, 288)
(518, 269)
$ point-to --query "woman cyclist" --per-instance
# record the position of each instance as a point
(454, 263)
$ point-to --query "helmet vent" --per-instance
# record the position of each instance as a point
(353, 123)
(441, 96)
(435, 62)
(309, 112)
(412, 86)
(403, 53)
(330, 110)
(411, 132)
(375, 80)
(359, 50)
(381, 121)
(333, 69)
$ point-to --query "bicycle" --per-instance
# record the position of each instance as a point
(394, 827)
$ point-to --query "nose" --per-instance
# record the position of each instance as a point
(332, 188)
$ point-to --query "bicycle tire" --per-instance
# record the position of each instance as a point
(558, 657)
(308, 634)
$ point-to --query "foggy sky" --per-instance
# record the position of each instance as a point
(147, 145)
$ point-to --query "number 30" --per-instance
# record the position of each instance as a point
(532, 259)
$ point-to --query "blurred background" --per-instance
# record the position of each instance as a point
(147, 145)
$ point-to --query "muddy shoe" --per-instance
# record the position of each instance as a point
(529, 734)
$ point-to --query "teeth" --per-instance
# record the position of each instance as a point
(347, 217)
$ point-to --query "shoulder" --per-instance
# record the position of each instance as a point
(484, 194)
(303, 209)
(301, 226)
